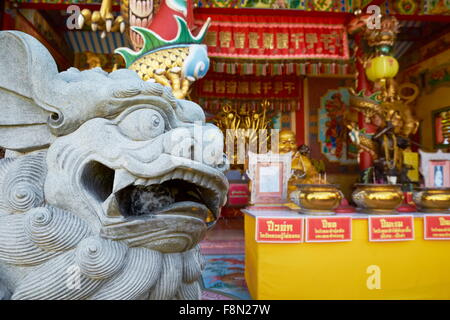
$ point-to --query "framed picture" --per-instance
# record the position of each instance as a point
(269, 174)
(441, 128)
(435, 167)
(439, 174)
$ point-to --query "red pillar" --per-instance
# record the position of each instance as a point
(6, 20)
(365, 159)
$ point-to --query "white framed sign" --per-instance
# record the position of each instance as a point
(269, 174)
(435, 167)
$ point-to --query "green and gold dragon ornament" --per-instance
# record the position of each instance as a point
(163, 48)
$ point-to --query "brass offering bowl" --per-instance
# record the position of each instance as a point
(435, 200)
(378, 198)
(317, 198)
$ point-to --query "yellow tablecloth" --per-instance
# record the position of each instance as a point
(418, 269)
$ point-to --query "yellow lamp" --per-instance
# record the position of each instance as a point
(381, 67)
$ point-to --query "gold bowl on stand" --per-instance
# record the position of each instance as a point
(434, 200)
(378, 198)
(317, 198)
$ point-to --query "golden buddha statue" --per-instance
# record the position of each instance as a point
(93, 60)
(304, 170)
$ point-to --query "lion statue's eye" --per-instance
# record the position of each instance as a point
(142, 124)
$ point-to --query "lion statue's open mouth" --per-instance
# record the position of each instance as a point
(108, 185)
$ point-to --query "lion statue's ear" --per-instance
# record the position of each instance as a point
(26, 69)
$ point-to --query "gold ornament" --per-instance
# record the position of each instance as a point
(378, 198)
(240, 123)
(304, 170)
(165, 67)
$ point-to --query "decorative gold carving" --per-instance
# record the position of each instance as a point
(385, 35)
(304, 170)
(432, 199)
(164, 66)
(317, 198)
(104, 18)
(245, 124)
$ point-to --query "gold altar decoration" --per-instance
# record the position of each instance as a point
(164, 66)
(93, 60)
(434, 200)
(384, 35)
(378, 198)
(304, 171)
(241, 123)
(103, 19)
(388, 109)
(445, 116)
(88, 60)
(317, 198)
(176, 62)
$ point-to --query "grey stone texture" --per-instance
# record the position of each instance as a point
(87, 155)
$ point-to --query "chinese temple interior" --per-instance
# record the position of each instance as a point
(313, 69)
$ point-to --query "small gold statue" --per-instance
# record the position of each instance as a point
(93, 60)
(304, 170)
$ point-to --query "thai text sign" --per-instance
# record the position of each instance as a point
(274, 38)
(328, 229)
(391, 228)
(279, 230)
(436, 227)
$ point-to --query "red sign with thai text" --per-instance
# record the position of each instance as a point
(391, 228)
(436, 227)
(279, 230)
(328, 229)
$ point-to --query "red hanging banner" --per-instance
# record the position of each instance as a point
(275, 37)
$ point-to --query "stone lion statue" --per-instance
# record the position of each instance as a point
(107, 183)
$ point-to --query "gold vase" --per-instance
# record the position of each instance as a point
(317, 198)
(434, 200)
(378, 198)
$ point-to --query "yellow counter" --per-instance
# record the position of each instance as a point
(359, 269)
